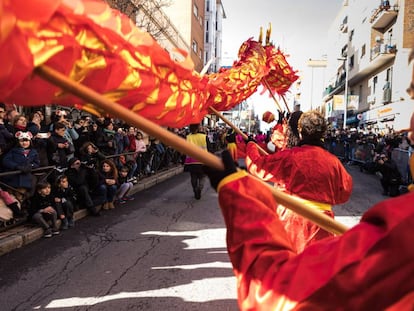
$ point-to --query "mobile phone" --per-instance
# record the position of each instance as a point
(43, 135)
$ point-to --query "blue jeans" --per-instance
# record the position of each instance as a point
(110, 192)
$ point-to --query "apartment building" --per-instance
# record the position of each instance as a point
(150, 17)
(213, 46)
(367, 65)
(188, 18)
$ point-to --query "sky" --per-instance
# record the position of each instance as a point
(299, 27)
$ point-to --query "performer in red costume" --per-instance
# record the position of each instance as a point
(307, 171)
(369, 267)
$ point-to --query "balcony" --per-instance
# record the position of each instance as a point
(383, 17)
(384, 51)
(381, 55)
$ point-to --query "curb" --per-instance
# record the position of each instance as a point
(20, 236)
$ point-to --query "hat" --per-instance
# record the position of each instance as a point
(72, 160)
(23, 135)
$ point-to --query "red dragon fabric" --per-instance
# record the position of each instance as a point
(369, 267)
(102, 49)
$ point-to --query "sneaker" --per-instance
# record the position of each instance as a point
(128, 198)
(55, 232)
(48, 233)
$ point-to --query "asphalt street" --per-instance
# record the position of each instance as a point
(163, 251)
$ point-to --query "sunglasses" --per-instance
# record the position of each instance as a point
(25, 139)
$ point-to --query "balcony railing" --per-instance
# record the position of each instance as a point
(383, 16)
(383, 49)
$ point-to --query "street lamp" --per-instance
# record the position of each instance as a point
(346, 88)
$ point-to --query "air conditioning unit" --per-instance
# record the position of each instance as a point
(371, 99)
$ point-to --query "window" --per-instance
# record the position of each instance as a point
(374, 84)
(388, 77)
(194, 46)
(344, 50)
(363, 50)
(207, 32)
(351, 35)
(351, 62)
(195, 10)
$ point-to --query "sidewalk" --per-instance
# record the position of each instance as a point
(24, 234)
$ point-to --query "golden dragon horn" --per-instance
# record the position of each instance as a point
(268, 33)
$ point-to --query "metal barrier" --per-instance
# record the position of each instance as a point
(337, 148)
(401, 157)
(362, 153)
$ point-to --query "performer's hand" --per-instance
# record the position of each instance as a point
(287, 116)
(281, 116)
(216, 176)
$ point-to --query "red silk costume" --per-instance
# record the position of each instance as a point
(309, 172)
(369, 267)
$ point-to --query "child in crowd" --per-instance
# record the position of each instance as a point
(64, 197)
(23, 158)
(108, 173)
(124, 186)
(42, 210)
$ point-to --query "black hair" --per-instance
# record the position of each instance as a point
(194, 128)
(42, 185)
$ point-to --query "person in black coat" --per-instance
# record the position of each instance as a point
(85, 182)
(390, 176)
(42, 209)
(64, 197)
(21, 158)
(58, 147)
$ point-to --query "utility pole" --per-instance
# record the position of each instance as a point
(346, 90)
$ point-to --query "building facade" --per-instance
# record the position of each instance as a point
(214, 15)
(194, 26)
(150, 17)
(367, 65)
(188, 18)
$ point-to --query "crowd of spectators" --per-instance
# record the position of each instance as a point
(52, 165)
(93, 163)
(373, 153)
(386, 155)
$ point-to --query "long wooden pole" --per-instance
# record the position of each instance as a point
(225, 120)
(286, 105)
(235, 128)
(123, 113)
(271, 94)
(178, 143)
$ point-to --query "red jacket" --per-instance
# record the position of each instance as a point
(309, 172)
(370, 267)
